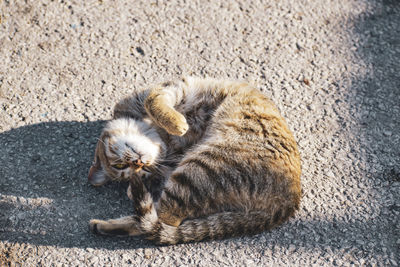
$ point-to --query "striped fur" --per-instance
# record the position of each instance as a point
(227, 164)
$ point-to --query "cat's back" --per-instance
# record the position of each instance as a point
(244, 115)
(248, 145)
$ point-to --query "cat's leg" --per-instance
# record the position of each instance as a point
(145, 221)
(123, 226)
(160, 104)
(154, 184)
(131, 225)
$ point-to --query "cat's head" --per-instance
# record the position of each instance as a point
(126, 146)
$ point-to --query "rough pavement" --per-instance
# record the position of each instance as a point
(331, 66)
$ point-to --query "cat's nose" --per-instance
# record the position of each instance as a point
(139, 163)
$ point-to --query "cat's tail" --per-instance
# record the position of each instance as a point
(218, 226)
(215, 226)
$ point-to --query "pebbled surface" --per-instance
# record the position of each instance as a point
(331, 66)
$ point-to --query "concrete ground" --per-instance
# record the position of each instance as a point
(331, 66)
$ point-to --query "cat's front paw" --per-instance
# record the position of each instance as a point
(176, 125)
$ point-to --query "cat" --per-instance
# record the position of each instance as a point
(205, 159)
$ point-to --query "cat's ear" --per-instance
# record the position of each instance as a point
(97, 176)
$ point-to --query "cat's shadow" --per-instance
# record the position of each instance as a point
(45, 198)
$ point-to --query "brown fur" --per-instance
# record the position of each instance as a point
(230, 164)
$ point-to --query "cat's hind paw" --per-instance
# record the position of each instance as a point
(93, 226)
(100, 227)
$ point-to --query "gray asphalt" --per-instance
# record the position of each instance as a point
(331, 66)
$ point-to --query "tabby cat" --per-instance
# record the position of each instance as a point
(205, 159)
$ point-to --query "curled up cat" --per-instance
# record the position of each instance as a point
(205, 159)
